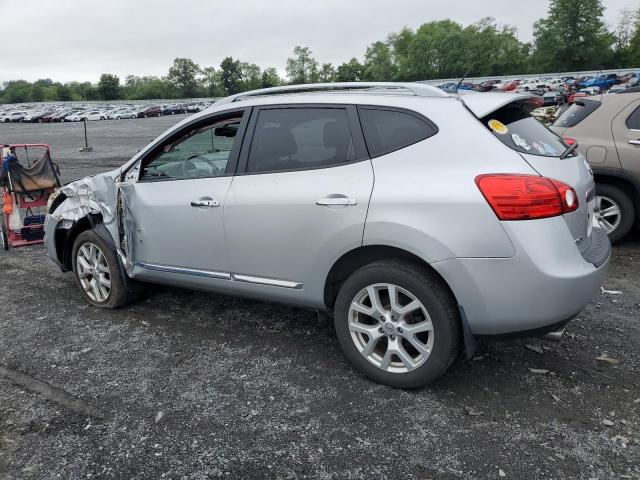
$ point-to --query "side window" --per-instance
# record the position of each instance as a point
(300, 138)
(386, 131)
(201, 153)
(633, 122)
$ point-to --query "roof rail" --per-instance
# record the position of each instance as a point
(417, 89)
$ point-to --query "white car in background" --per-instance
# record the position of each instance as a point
(75, 117)
(13, 117)
(530, 84)
(95, 115)
(124, 113)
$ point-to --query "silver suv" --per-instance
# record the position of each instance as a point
(422, 220)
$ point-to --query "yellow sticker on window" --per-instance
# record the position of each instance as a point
(498, 127)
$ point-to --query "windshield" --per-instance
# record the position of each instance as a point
(519, 131)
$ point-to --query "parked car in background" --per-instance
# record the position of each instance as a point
(602, 81)
(530, 84)
(487, 85)
(552, 98)
(122, 113)
(75, 117)
(93, 115)
(36, 117)
(273, 196)
(150, 111)
(14, 117)
(60, 116)
(511, 85)
(607, 130)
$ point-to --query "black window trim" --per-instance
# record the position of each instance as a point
(201, 122)
(354, 128)
(413, 113)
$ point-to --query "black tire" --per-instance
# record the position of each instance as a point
(431, 291)
(627, 209)
(119, 296)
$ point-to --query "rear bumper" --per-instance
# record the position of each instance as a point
(546, 283)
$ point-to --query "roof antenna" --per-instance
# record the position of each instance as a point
(464, 76)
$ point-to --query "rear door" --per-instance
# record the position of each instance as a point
(299, 199)
(626, 131)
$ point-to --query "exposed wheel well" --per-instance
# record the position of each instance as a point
(361, 256)
(64, 243)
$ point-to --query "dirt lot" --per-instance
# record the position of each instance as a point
(191, 385)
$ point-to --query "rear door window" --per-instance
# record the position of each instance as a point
(518, 130)
(633, 122)
(576, 113)
(387, 130)
(299, 139)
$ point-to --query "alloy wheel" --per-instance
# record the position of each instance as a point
(391, 328)
(607, 213)
(93, 272)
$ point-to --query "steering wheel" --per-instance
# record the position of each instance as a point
(189, 169)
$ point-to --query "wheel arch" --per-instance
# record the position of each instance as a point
(363, 255)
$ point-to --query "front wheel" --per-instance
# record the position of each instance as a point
(398, 323)
(97, 272)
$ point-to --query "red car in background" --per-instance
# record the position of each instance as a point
(152, 111)
(510, 86)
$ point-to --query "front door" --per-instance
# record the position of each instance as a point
(299, 199)
(175, 209)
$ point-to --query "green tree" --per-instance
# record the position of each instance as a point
(302, 67)
(378, 63)
(327, 73)
(109, 87)
(231, 76)
(251, 76)
(212, 82)
(634, 45)
(350, 72)
(182, 76)
(572, 37)
(270, 78)
(37, 93)
(63, 93)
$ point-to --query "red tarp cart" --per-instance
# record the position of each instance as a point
(27, 178)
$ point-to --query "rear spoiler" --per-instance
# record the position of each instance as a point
(482, 104)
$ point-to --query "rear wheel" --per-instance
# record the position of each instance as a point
(398, 323)
(614, 211)
(97, 272)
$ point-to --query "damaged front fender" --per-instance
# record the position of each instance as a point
(85, 200)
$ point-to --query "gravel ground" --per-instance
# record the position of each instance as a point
(190, 385)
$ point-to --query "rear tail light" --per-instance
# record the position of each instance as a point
(526, 197)
(568, 141)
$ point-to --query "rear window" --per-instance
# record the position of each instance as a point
(576, 113)
(519, 131)
(386, 131)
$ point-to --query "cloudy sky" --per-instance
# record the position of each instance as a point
(80, 39)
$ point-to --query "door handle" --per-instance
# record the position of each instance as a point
(206, 203)
(336, 201)
(634, 142)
